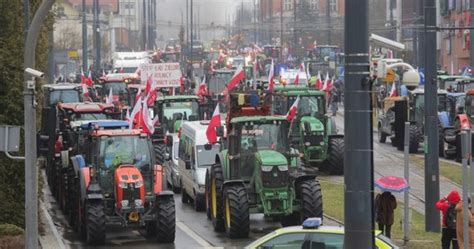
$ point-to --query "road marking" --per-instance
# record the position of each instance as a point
(193, 235)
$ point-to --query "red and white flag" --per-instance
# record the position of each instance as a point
(213, 124)
(271, 82)
(85, 90)
(148, 85)
(238, 76)
(110, 98)
(393, 91)
(83, 78)
(90, 82)
(327, 84)
(319, 82)
(297, 77)
(293, 109)
(135, 115)
(148, 126)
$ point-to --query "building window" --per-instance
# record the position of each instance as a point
(288, 5)
(333, 5)
(314, 4)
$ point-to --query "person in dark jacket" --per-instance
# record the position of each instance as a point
(385, 204)
(448, 234)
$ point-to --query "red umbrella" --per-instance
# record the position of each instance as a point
(392, 184)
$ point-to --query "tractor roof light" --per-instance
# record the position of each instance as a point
(312, 223)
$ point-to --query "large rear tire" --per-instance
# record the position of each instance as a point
(166, 220)
(216, 198)
(207, 198)
(185, 197)
(237, 216)
(311, 199)
(199, 203)
(336, 156)
(160, 150)
(414, 139)
(95, 223)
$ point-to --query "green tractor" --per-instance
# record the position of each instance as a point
(312, 131)
(257, 171)
(172, 111)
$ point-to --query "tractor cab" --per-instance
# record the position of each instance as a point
(417, 105)
(312, 131)
(117, 83)
(54, 94)
(463, 85)
(448, 82)
(218, 81)
(120, 184)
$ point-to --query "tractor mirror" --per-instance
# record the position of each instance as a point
(307, 128)
(187, 164)
(169, 140)
(220, 131)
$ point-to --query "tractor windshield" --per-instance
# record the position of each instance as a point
(63, 96)
(120, 150)
(265, 137)
(218, 82)
(88, 116)
(308, 106)
(174, 112)
(117, 88)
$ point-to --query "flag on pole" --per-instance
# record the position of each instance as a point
(271, 81)
(238, 76)
(213, 124)
(327, 83)
(319, 82)
(85, 90)
(297, 77)
(90, 82)
(292, 111)
(148, 123)
(110, 98)
(393, 91)
(83, 77)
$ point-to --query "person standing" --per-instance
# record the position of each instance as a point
(333, 99)
(385, 204)
(447, 207)
(460, 225)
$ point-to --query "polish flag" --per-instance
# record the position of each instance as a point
(139, 95)
(271, 81)
(135, 115)
(90, 82)
(83, 78)
(393, 92)
(148, 124)
(319, 83)
(85, 90)
(213, 124)
(327, 83)
(297, 78)
(151, 97)
(148, 85)
(110, 98)
(292, 111)
(238, 76)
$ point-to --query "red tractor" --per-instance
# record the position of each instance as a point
(116, 182)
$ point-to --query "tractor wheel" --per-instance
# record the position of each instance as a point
(237, 217)
(160, 150)
(441, 143)
(72, 197)
(150, 228)
(381, 135)
(166, 220)
(311, 199)
(199, 203)
(216, 200)
(95, 223)
(414, 139)
(336, 156)
(176, 189)
(206, 196)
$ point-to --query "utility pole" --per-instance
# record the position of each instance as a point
(415, 36)
(358, 139)
(421, 36)
(431, 120)
(31, 169)
(471, 33)
(281, 30)
(84, 37)
(96, 35)
(255, 22)
(328, 19)
(187, 23)
(26, 14)
(392, 21)
(294, 24)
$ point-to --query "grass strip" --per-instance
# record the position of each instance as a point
(449, 170)
(333, 205)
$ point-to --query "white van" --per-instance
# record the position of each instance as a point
(195, 156)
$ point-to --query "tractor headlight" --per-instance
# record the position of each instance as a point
(283, 168)
(123, 185)
(321, 143)
(307, 144)
(139, 184)
(138, 203)
(267, 168)
(124, 203)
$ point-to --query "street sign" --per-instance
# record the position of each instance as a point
(164, 74)
(9, 138)
(72, 54)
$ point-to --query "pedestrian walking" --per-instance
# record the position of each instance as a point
(447, 206)
(460, 227)
(385, 204)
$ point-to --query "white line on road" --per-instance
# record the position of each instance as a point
(193, 235)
